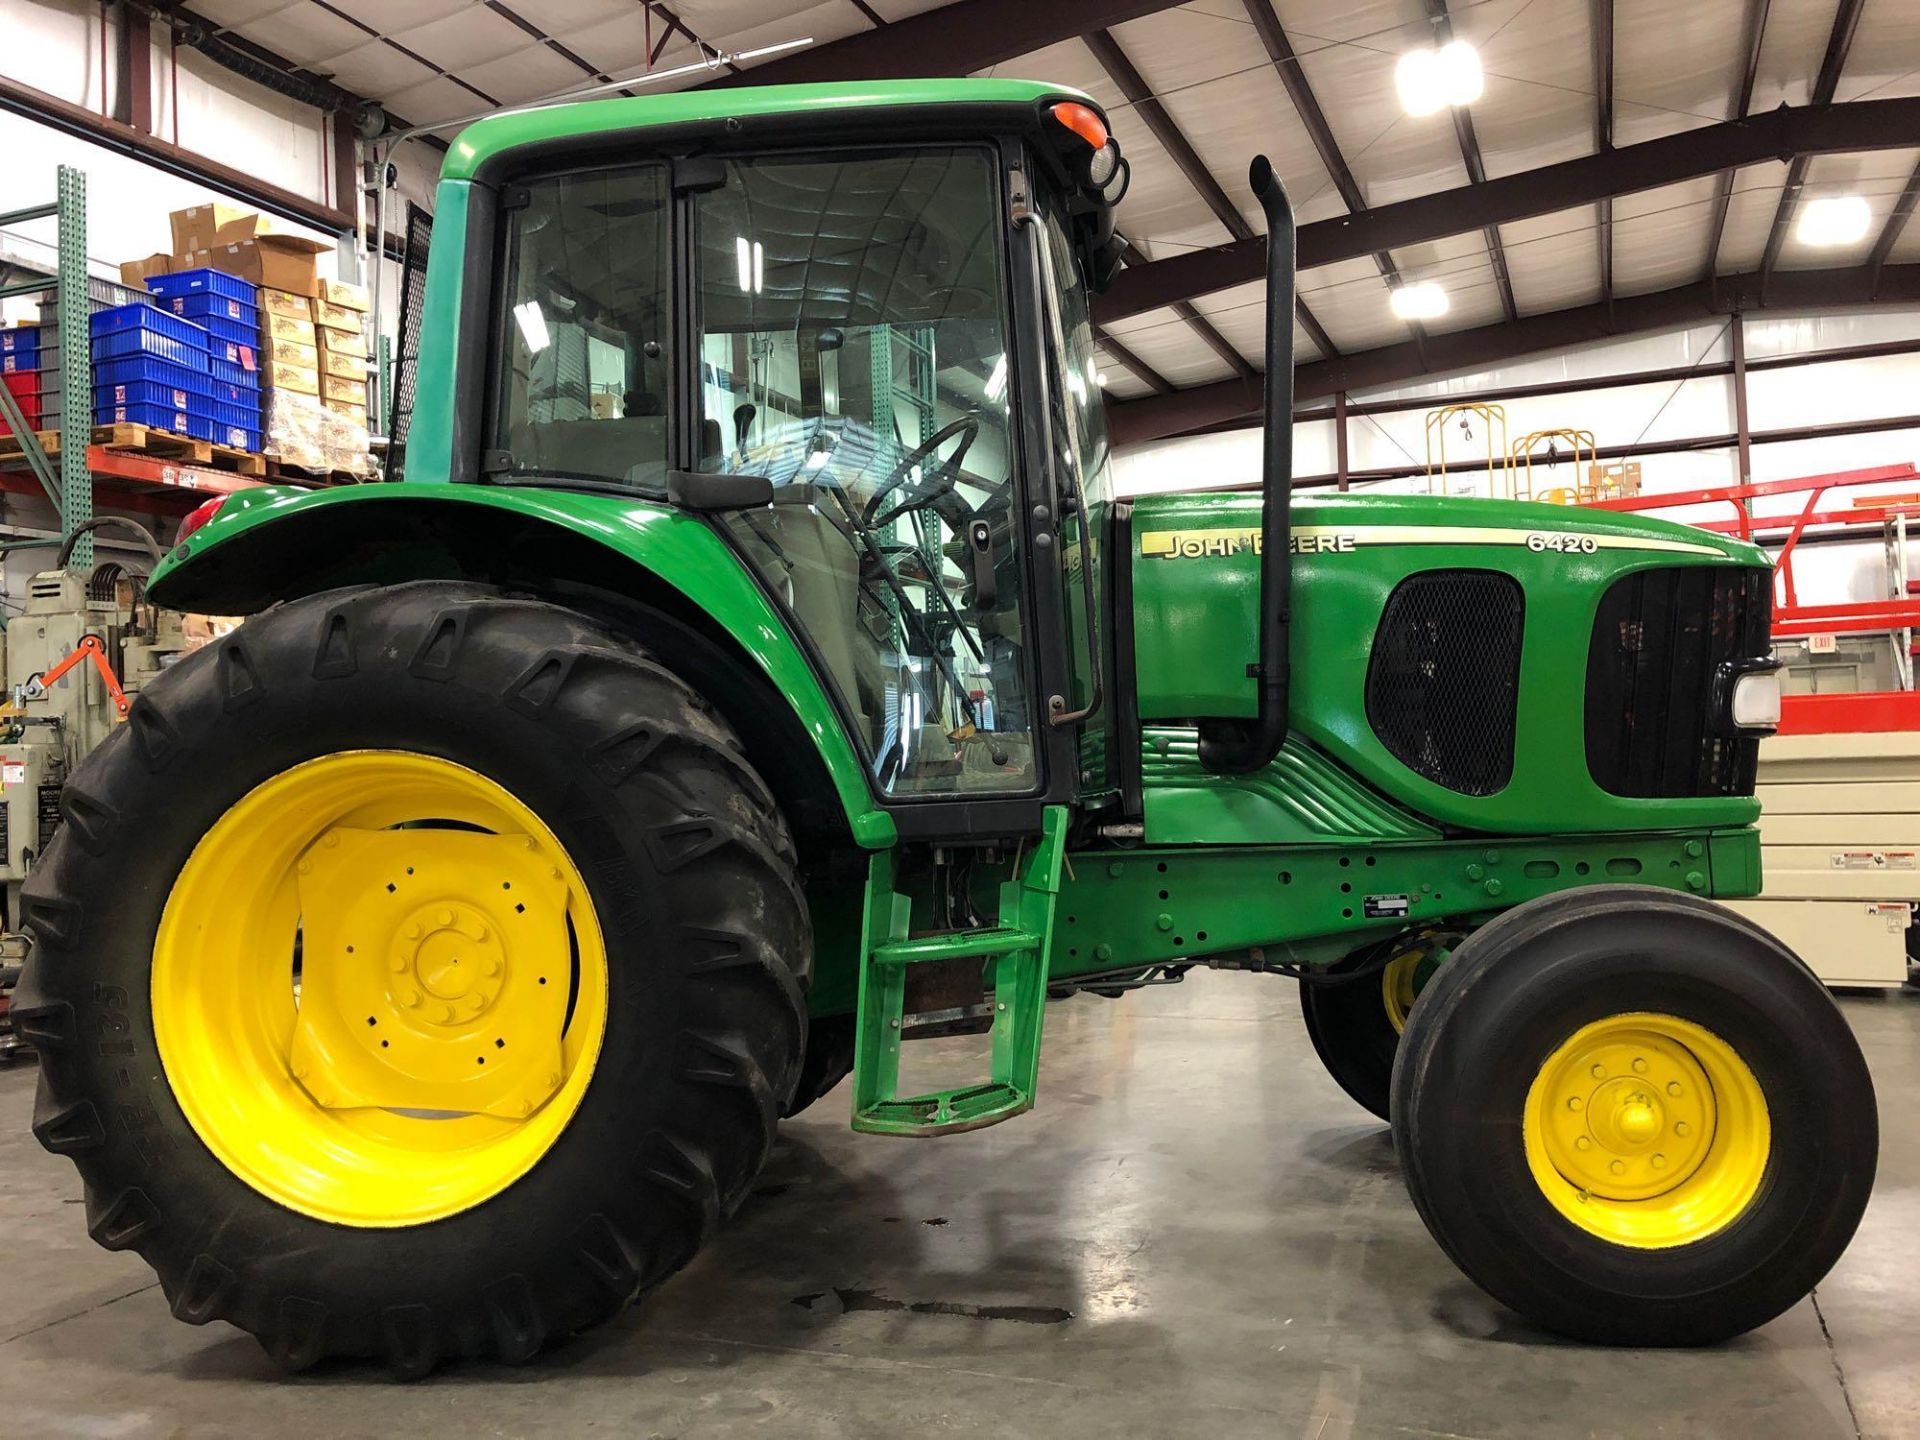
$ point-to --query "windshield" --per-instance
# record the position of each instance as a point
(853, 349)
(583, 333)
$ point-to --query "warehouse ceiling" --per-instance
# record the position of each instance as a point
(1656, 182)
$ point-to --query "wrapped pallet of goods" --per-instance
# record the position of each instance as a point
(339, 313)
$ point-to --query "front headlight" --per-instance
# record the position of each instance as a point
(1756, 700)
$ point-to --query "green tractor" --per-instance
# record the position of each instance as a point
(754, 674)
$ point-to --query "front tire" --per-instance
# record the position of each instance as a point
(1634, 1118)
(1355, 1024)
(279, 1178)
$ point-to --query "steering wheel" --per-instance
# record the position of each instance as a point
(934, 482)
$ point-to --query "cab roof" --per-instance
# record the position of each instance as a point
(497, 134)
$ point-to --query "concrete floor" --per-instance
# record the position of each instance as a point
(1196, 1233)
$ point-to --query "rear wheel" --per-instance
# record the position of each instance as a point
(1634, 1118)
(418, 973)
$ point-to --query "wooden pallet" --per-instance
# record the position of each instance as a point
(302, 475)
(161, 444)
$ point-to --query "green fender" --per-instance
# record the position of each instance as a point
(273, 543)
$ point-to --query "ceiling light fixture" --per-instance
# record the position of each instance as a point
(1431, 80)
(533, 326)
(1834, 220)
(1424, 301)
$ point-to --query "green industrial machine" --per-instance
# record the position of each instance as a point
(754, 675)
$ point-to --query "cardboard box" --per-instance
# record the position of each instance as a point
(281, 375)
(337, 387)
(134, 273)
(345, 294)
(277, 262)
(284, 327)
(342, 342)
(337, 317)
(357, 414)
(207, 227)
(347, 367)
(282, 302)
(291, 352)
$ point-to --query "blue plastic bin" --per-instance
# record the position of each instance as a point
(123, 344)
(121, 318)
(156, 417)
(21, 340)
(202, 306)
(232, 332)
(147, 392)
(147, 370)
(246, 417)
(203, 281)
(228, 372)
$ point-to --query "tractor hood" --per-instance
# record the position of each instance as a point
(1460, 655)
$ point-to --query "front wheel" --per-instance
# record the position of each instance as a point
(418, 973)
(1634, 1118)
(1356, 1013)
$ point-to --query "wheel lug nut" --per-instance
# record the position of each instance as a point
(1659, 1162)
(399, 963)
(412, 932)
(446, 917)
(1673, 1087)
(410, 998)
(332, 839)
(1583, 1143)
(1573, 1103)
(1680, 1127)
(1599, 1072)
(1618, 1167)
(306, 867)
(1639, 1065)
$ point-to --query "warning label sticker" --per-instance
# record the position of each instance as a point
(1875, 860)
(1897, 913)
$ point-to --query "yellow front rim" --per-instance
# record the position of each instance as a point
(441, 1023)
(1647, 1130)
(1397, 991)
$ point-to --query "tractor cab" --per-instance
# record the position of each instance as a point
(872, 362)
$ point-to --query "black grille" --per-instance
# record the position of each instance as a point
(413, 293)
(1445, 675)
(1657, 722)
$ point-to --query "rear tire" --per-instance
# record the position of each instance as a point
(689, 873)
(829, 1060)
(1781, 1166)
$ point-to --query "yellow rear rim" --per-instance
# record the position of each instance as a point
(1647, 1130)
(448, 1004)
(1397, 990)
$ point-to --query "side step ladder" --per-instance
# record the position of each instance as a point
(1018, 948)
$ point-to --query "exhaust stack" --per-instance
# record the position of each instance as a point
(1235, 747)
